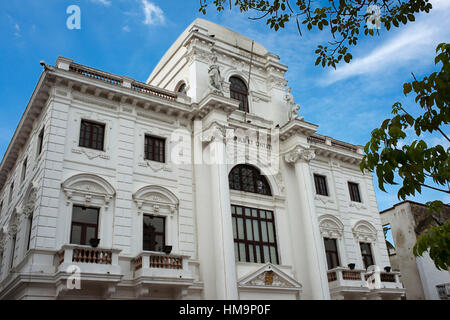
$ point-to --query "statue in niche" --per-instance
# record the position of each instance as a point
(215, 79)
(293, 108)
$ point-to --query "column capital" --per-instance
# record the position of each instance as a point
(299, 153)
(215, 132)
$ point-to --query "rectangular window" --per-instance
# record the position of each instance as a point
(30, 226)
(331, 252)
(366, 252)
(92, 135)
(40, 141)
(11, 192)
(13, 250)
(321, 185)
(353, 188)
(1, 208)
(84, 225)
(24, 170)
(254, 235)
(154, 149)
(154, 235)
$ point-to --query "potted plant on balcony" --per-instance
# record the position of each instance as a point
(387, 269)
(167, 249)
(94, 242)
(351, 266)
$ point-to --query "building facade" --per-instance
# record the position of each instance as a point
(202, 183)
(420, 277)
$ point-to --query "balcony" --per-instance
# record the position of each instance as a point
(359, 284)
(157, 269)
(97, 267)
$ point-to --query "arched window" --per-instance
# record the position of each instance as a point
(182, 88)
(247, 178)
(238, 91)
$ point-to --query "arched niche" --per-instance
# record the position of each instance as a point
(330, 226)
(88, 189)
(364, 231)
(156, 199)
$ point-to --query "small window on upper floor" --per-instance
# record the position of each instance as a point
(92, 135)
(247, 178)
(239, 91)
(321, 184)
(154, 149)
(353, 188)
(40, 141)
(11, 192)
(24, 169)
(182, 88)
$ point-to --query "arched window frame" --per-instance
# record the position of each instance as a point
(256, 177)
(239, 93)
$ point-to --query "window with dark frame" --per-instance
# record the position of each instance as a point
(154, 234)
(353, 188)
(11, 192)
(154, 149)
(331, 252)
(238, 91)
(84, 224)
(321, 184)
(30, 225)
(40, 141)
(182, 88)
(13, 250)
(366, 252)
(248, 178)
(92, 135)
(254, 235)
(24, 170)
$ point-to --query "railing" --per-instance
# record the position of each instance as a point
(332, 276)
(96, 74)
(387, 277)
(316, 139)
(70, 254)
(140, 87)
(157, 260)
(343, 146)
(351, 275)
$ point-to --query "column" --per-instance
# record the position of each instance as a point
(300, 158)
(226, 284)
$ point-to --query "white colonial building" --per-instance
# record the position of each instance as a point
(202, 183)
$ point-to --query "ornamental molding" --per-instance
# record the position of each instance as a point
(357, 205)
(330, 226)
(299, 153)
(157, 200)
(364, 231)
(88, 189)
(270, 277)
(215, 132)
(3, 236)
(30, 198)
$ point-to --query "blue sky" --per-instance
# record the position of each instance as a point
(128, 37)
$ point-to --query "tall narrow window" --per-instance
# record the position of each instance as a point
(154, 149)
(1, 208)
(40, 141)
(238, 91)
(13, 250)
(321, 185)
(331, 252)
(11, 192)
(366, 252)
(353, 189)
(84, 225)
(30, 227)
(154, 237)
(92, 135)
(24, 169)
(247, 178)
(182, 88)
(254, 235)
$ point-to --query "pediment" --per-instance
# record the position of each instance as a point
(270, 277)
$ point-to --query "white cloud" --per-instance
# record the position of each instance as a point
(126, 29)
(103, 2)
(412, 43)
(153, 14)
